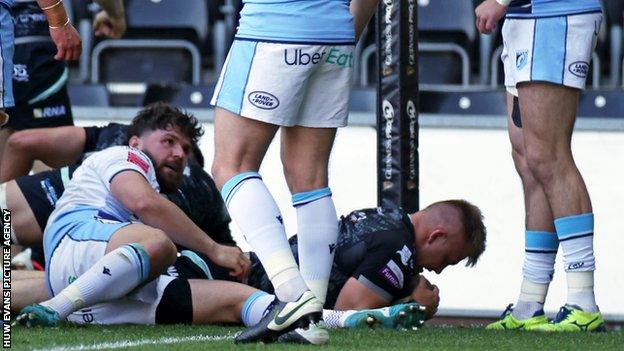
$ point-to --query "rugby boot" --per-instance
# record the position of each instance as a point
(401, 316)
(37, 316)
(572, 318)
(508, 322)
(283, 317)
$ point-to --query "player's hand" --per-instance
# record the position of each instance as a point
(233, 258)
(488, 14)
(67, 41)
(427, 295)
(106, 26)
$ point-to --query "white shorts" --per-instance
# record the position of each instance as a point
(73, 243)
(553, 49)
(287, 84)
(74, 257)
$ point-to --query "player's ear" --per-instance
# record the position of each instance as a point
(134, 141)
(435, 235)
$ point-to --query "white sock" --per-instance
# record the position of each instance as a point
(531, 300)
(317, 233)
(336, 319)
(255, 308)
(113, 276)
(538, 270)
(576, 234)
(254, 210)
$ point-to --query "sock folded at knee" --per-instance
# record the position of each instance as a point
(540, 249)
(576, 235)
(254, 210)
(317, 233)
(116, 274)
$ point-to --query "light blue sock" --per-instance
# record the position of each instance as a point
(255, 307)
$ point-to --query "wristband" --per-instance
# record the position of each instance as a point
(62, 25)
(503, 2)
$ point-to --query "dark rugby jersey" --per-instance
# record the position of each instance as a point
(375, 246)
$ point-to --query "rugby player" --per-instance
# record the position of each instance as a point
(289, 68)
(111, 232)
(547, 49)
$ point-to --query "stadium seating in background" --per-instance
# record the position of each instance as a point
(183, 95)
(467, 102)
(92, 95)
(601, 104)
(447, 37)
(162, 44)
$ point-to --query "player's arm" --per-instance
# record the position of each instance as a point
(56, 147)
(362, 11)
(488, 13)
(63, 33)
(426, 294)
(134, 192)
(354, 295)
(111, 21)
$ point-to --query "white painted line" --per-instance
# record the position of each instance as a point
(142, 342)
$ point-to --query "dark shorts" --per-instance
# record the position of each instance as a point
(42, 190)
(55, 111)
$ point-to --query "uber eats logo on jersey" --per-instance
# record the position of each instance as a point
(334, 56)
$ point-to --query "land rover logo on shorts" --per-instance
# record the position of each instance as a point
(263, 100)
(521, 59)
(579, 68)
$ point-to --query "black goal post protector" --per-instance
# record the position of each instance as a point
(397, 104)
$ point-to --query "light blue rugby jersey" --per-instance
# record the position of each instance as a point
(551, 8)
(301, 21)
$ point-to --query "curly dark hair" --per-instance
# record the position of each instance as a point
(164, 116)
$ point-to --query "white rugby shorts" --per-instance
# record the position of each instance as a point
(552, 49)
(287, 84)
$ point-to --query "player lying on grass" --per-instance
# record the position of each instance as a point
(365, 248)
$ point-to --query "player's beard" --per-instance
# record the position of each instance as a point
(168, 179)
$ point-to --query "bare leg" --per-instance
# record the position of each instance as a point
(56, 147)
(27, 289)
(217, 301)
(549, 112)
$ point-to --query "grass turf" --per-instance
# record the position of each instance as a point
(180, 337)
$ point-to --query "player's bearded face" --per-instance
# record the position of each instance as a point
(168, 150)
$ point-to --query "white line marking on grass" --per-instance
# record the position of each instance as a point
(134, 343)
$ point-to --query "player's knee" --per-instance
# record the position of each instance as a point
(305, 178)
(160, 248)
(541, 165)
(21, 141)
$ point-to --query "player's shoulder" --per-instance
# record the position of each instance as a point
(122, 153)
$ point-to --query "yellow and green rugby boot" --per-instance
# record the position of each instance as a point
(508, 322)
(572, 318)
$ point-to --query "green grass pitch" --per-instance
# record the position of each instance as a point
(178, 337)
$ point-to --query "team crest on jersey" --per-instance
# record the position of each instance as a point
(137, 160)
(522, 57)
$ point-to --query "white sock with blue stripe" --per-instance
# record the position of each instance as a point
(113, 276)
(254, 210)
(538, 270)
(255, 308)
(576, 234)
(317, 232)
